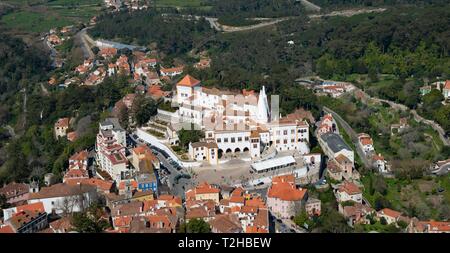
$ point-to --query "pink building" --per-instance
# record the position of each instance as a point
(283, 198)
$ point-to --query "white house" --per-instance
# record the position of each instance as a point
(333, 145)
(348, 191)
(204, 151)
(366, 143)
(63, 198)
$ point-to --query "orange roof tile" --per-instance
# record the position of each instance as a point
(35, 207)
(447, 85)
(350, 188)
(390, 213)
(188, 81)
(6, 229)
(283, 187)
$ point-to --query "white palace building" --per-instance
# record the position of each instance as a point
(236, 122)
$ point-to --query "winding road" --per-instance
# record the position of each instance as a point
(417, 117)
(350, 132)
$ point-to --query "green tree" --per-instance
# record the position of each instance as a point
(187, 136)
(143, 109)
(195, 226)
(90, 221)
(301, 218)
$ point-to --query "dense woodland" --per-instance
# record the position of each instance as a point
(169, 33)
(340, 3)
(256, 8)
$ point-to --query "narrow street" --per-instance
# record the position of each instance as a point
(351, 133)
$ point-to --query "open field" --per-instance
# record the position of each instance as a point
(182, 3)
(40, 16)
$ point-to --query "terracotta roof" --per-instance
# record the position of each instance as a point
(206, 188)
(204, 144)
(349, 188)
(13, 189)
(447, 85)
(131, 208)
(61, 190)
(102, 185)
(34, 207)
(256, 202)
(366, 141)
(226, 224)
(283, 187)
(256, 230)
(134, 185)
(63, 224)
(199, 212)
(6, 229)
(81, 156)
(62, 122)
(342, 159)
(21, 218)
(122, 221)
(390, 213)
(440, 226)
(108, 51)
(172, 70)
(188, 81)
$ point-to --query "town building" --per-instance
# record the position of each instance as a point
(348, 191)
(366, 143)
(110, 149)
(64, 198)
(284, 199)
(15, 192)
(61, 127)
(313, 207)
(333, 145)
(27, 221)
(204, 191)
(204, 151)
(446, 90)
(391, 216)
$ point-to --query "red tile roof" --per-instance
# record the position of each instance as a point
(35, 207)
(390, 213)
(102, 185)
(283, 187)
(62, 122)
(440, 226)
(350, 188)
(6, 229)
(447, 85)
(188, 81)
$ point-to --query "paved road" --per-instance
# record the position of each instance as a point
(270, 21)
(182, 185)
(350, 132)
(84, 39)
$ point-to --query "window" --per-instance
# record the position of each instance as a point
(225, 140)
(239, 138)
(219, 140)
(292, 131)
(285, 141)
(292, 140)
(210, 135)
(278, 141)
(233, 140)
(285, 132)
(255, 145)
(246, 138)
